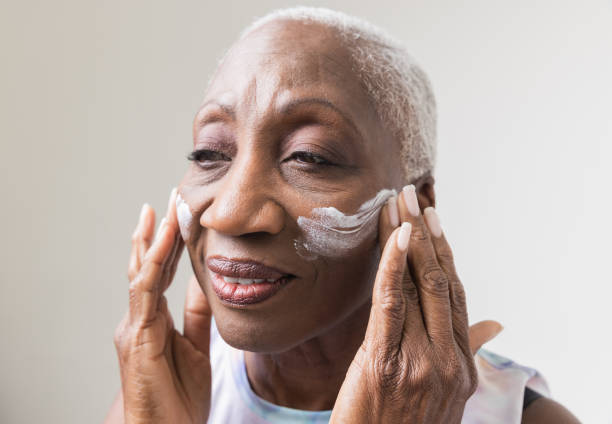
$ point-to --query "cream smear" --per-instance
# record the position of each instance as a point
(330, 233)
(184, 216)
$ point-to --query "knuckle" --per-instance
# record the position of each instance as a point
(132, 271)
(387, 371)
(134, 293)
(460, 377)
(391, 303)
(419, 231)
(434, 280)
(472, 378)
(136, 237)
(450, 373)
(142, 282)
(421, 373)
(458, 294)
(120, 334)
(446, 255)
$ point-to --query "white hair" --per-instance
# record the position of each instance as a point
(399, 88)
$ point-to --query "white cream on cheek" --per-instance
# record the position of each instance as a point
(184, 216)
(330, 233)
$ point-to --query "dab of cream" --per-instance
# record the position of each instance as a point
(184, 216)
(329, 232)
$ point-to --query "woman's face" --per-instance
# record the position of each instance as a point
(284, 128)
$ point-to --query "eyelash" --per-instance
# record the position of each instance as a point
(310, 155)
(201, 154)
(204, 154)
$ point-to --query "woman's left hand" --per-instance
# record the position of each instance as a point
(416, 362)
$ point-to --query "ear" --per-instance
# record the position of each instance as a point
(426, 194)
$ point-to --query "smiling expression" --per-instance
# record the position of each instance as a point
(285, 127)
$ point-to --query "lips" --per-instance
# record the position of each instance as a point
(243, 268)
(242, 282)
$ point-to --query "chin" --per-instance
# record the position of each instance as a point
(256, 337)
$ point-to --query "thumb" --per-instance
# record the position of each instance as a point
(197, 317)
(482, 332)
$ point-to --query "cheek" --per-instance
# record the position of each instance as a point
(184, 217)
(332, 234)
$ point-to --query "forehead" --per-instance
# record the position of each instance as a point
(287, 60)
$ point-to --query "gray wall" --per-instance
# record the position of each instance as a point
(96, 108)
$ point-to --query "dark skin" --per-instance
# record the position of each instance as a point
(283, 101)
(268, 131)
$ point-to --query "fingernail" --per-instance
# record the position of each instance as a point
(142, 210)
(140, 218)
(404, 236)
(393, 213)
(162, 223)
(410, 199)
(433, 222)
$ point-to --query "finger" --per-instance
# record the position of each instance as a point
(134, 263)
(443, 251)
(173, 259)
(456, 291)
(387, 315)
(147, 231)
(197, 318)
(389, 220)
(483, 332)
(431, 280)
(413, 322)
(141, 239)
(146, 288)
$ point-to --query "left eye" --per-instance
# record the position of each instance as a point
(204, 155)
(311, 158)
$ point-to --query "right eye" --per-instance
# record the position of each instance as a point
(206, 157)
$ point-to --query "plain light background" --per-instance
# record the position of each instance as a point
(96, 109)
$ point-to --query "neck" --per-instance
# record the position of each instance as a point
(309, 376)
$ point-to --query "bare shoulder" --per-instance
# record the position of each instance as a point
(545, 410)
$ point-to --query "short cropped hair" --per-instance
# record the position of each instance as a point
(399, 88)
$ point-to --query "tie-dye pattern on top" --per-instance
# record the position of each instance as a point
(498, 398)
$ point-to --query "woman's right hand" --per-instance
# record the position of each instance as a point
(165, 375)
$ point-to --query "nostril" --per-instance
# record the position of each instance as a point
(256, 235)
(248, 215)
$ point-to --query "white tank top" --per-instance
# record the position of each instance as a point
(498, 398)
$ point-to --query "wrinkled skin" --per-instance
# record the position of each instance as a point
(248, 207)
(348, 334)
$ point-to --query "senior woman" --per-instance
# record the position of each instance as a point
(308, 215)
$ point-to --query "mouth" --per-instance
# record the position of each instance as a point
(244, 281)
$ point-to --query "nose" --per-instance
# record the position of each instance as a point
(243, 204)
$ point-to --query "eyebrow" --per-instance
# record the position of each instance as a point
(284, 109)
(287, 108)
(210, 118)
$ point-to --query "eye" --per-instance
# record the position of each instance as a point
(310, 158)
(206, 157)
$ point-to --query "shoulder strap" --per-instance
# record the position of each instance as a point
(530, 396)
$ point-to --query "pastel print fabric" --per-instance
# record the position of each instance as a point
(498, 398)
